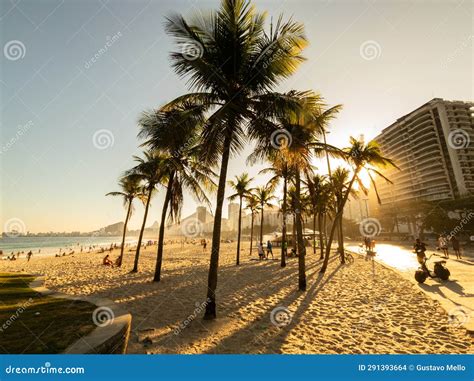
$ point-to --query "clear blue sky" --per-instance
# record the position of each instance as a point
(54, 178)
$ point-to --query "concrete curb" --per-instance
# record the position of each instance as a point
(109, 337)
(446, 305)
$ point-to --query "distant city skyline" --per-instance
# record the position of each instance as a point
(75, 77)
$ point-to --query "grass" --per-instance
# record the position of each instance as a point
(34, 323)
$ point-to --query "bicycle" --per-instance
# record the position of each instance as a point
(348, 258)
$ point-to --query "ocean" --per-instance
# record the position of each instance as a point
(52, 245)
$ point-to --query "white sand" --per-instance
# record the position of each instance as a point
(350, 309)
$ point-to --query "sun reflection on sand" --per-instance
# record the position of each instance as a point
(394, 256)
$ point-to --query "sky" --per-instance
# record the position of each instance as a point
(69, 120)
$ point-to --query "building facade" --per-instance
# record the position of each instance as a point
(434, 148)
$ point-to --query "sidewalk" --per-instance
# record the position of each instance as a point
(456, 293)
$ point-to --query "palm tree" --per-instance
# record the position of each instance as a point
(131, 189)
(252, 205)
(264, 196)
(339, 182)
(316, 187)
(150, 170)
(360, 156)
(280, 169)
(234, 73)
(174, 132)
(241, 188)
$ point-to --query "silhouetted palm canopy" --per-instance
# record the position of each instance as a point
(240, 185)
(173, 135)
(131, 189)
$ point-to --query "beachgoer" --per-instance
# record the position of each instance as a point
(261, 254)
(107, 261)
(420, 249)
(456, 247)
(28, 256)
(443, 245)
(269, 249)
(204, 245)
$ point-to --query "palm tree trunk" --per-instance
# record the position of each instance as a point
(340, 240)
(321, 235)
(237, 262)
(251, 233)
(161, 235)
(261, 226)
(283, 228)
(299, 232)
(294, 232)
(335, 222)
(210, 312)
(122, 247)
(140, 237)
(314, 233)
(325, 227)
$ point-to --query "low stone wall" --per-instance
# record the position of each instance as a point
(113, 324)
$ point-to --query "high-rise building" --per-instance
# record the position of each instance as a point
(233, 215)
(434, 148)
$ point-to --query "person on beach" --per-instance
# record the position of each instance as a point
(456, 247)
(107, 261)
(28, 256)
(443, 245)
(420, 249)
(269, 249)
(367, 243)
(261, 254)
(204, 244)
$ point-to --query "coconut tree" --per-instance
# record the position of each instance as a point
(241, 188)
(150, 171)
(281, 170)
(233, 65)
(360, 156)
(131, 189)
(252, 205)
(315, 184)
(174, 132)
(264, 196)
(297, 135)
(339, 181)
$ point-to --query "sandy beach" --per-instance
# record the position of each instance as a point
(358, 308)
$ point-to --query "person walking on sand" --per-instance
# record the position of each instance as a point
(261, 254)
(28, 256)
(456, 247)
(204, 244)
(269, 249)
(443, 246)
